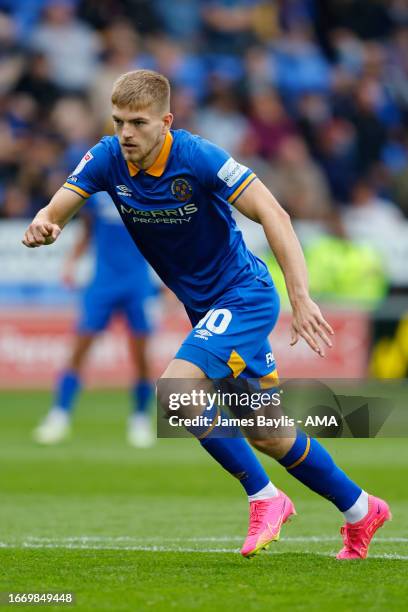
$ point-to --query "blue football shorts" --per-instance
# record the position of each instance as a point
(231, 338)
(101, 300)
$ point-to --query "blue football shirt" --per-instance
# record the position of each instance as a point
(178, 212)
(117, 258)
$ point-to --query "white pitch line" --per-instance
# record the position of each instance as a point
(131, 539)
(180, 549)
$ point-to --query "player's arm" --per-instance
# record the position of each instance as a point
(50, 220)
(257, 203)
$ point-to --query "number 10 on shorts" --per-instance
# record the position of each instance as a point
(216, 321)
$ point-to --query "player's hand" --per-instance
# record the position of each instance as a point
(41, 233)
(309, 323)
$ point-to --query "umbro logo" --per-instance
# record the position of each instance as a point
(202, 333)
(123, 190)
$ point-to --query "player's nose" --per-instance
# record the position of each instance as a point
(127, 132)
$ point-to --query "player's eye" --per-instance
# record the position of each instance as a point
(117, 121)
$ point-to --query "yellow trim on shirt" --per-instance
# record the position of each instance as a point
(78, 190)
(241, 188)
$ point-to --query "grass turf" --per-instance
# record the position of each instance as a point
(137, 530)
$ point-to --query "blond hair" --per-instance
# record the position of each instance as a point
(139, 89)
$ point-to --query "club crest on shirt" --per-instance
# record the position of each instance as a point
(181, 189)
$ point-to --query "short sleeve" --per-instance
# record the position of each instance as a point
(218, 171)
(90, 174)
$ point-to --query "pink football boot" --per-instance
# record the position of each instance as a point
(266, 518)
(357, 536)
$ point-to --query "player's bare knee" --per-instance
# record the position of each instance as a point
(185, 397)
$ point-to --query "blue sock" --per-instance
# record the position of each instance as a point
(235, 455)
(141, 395)
(67, 389)
(310, 463)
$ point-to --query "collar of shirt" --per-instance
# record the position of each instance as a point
(159, 165)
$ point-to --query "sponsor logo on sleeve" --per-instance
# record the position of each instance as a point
(86, 158)
(231, 172)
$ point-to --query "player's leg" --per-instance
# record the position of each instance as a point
(233, 454)
(56, 425)
(96, 308)
(140, 431)
(310, 463)
(222, 342)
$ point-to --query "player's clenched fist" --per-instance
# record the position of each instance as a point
(41, 233)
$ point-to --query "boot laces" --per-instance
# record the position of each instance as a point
(352, 537)
(256, 517)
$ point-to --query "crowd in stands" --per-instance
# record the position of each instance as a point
(311, 94)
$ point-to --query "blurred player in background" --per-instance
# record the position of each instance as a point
(174, 192)
(121, 284)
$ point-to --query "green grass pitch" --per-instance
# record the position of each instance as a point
(126, 529)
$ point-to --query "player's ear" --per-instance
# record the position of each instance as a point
(167, 121)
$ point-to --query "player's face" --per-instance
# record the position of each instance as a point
(141, 133)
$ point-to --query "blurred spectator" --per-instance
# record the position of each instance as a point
(310, 94)
(398, 12)
(228, 25)
(368, 20)
(222, 122)
(295, 13)
(313, 113)
(337, 153)
(370, 131)
(21, 114)
(76, 126)
(298, 182)
(269, 121)
(395, 152)
(180, 18)
(185, 110)
(399, 188)
(24, 13)
(120, 54)
(260, 68)
(301, 66)
(141, 15)
(34, 169)
(69, 44)
(185, 70)
(369, 217)
(15, 203)
(36, 82)
(11, 55)
(101, 15)
(9, 152)
(397, 70)
(349, 51)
